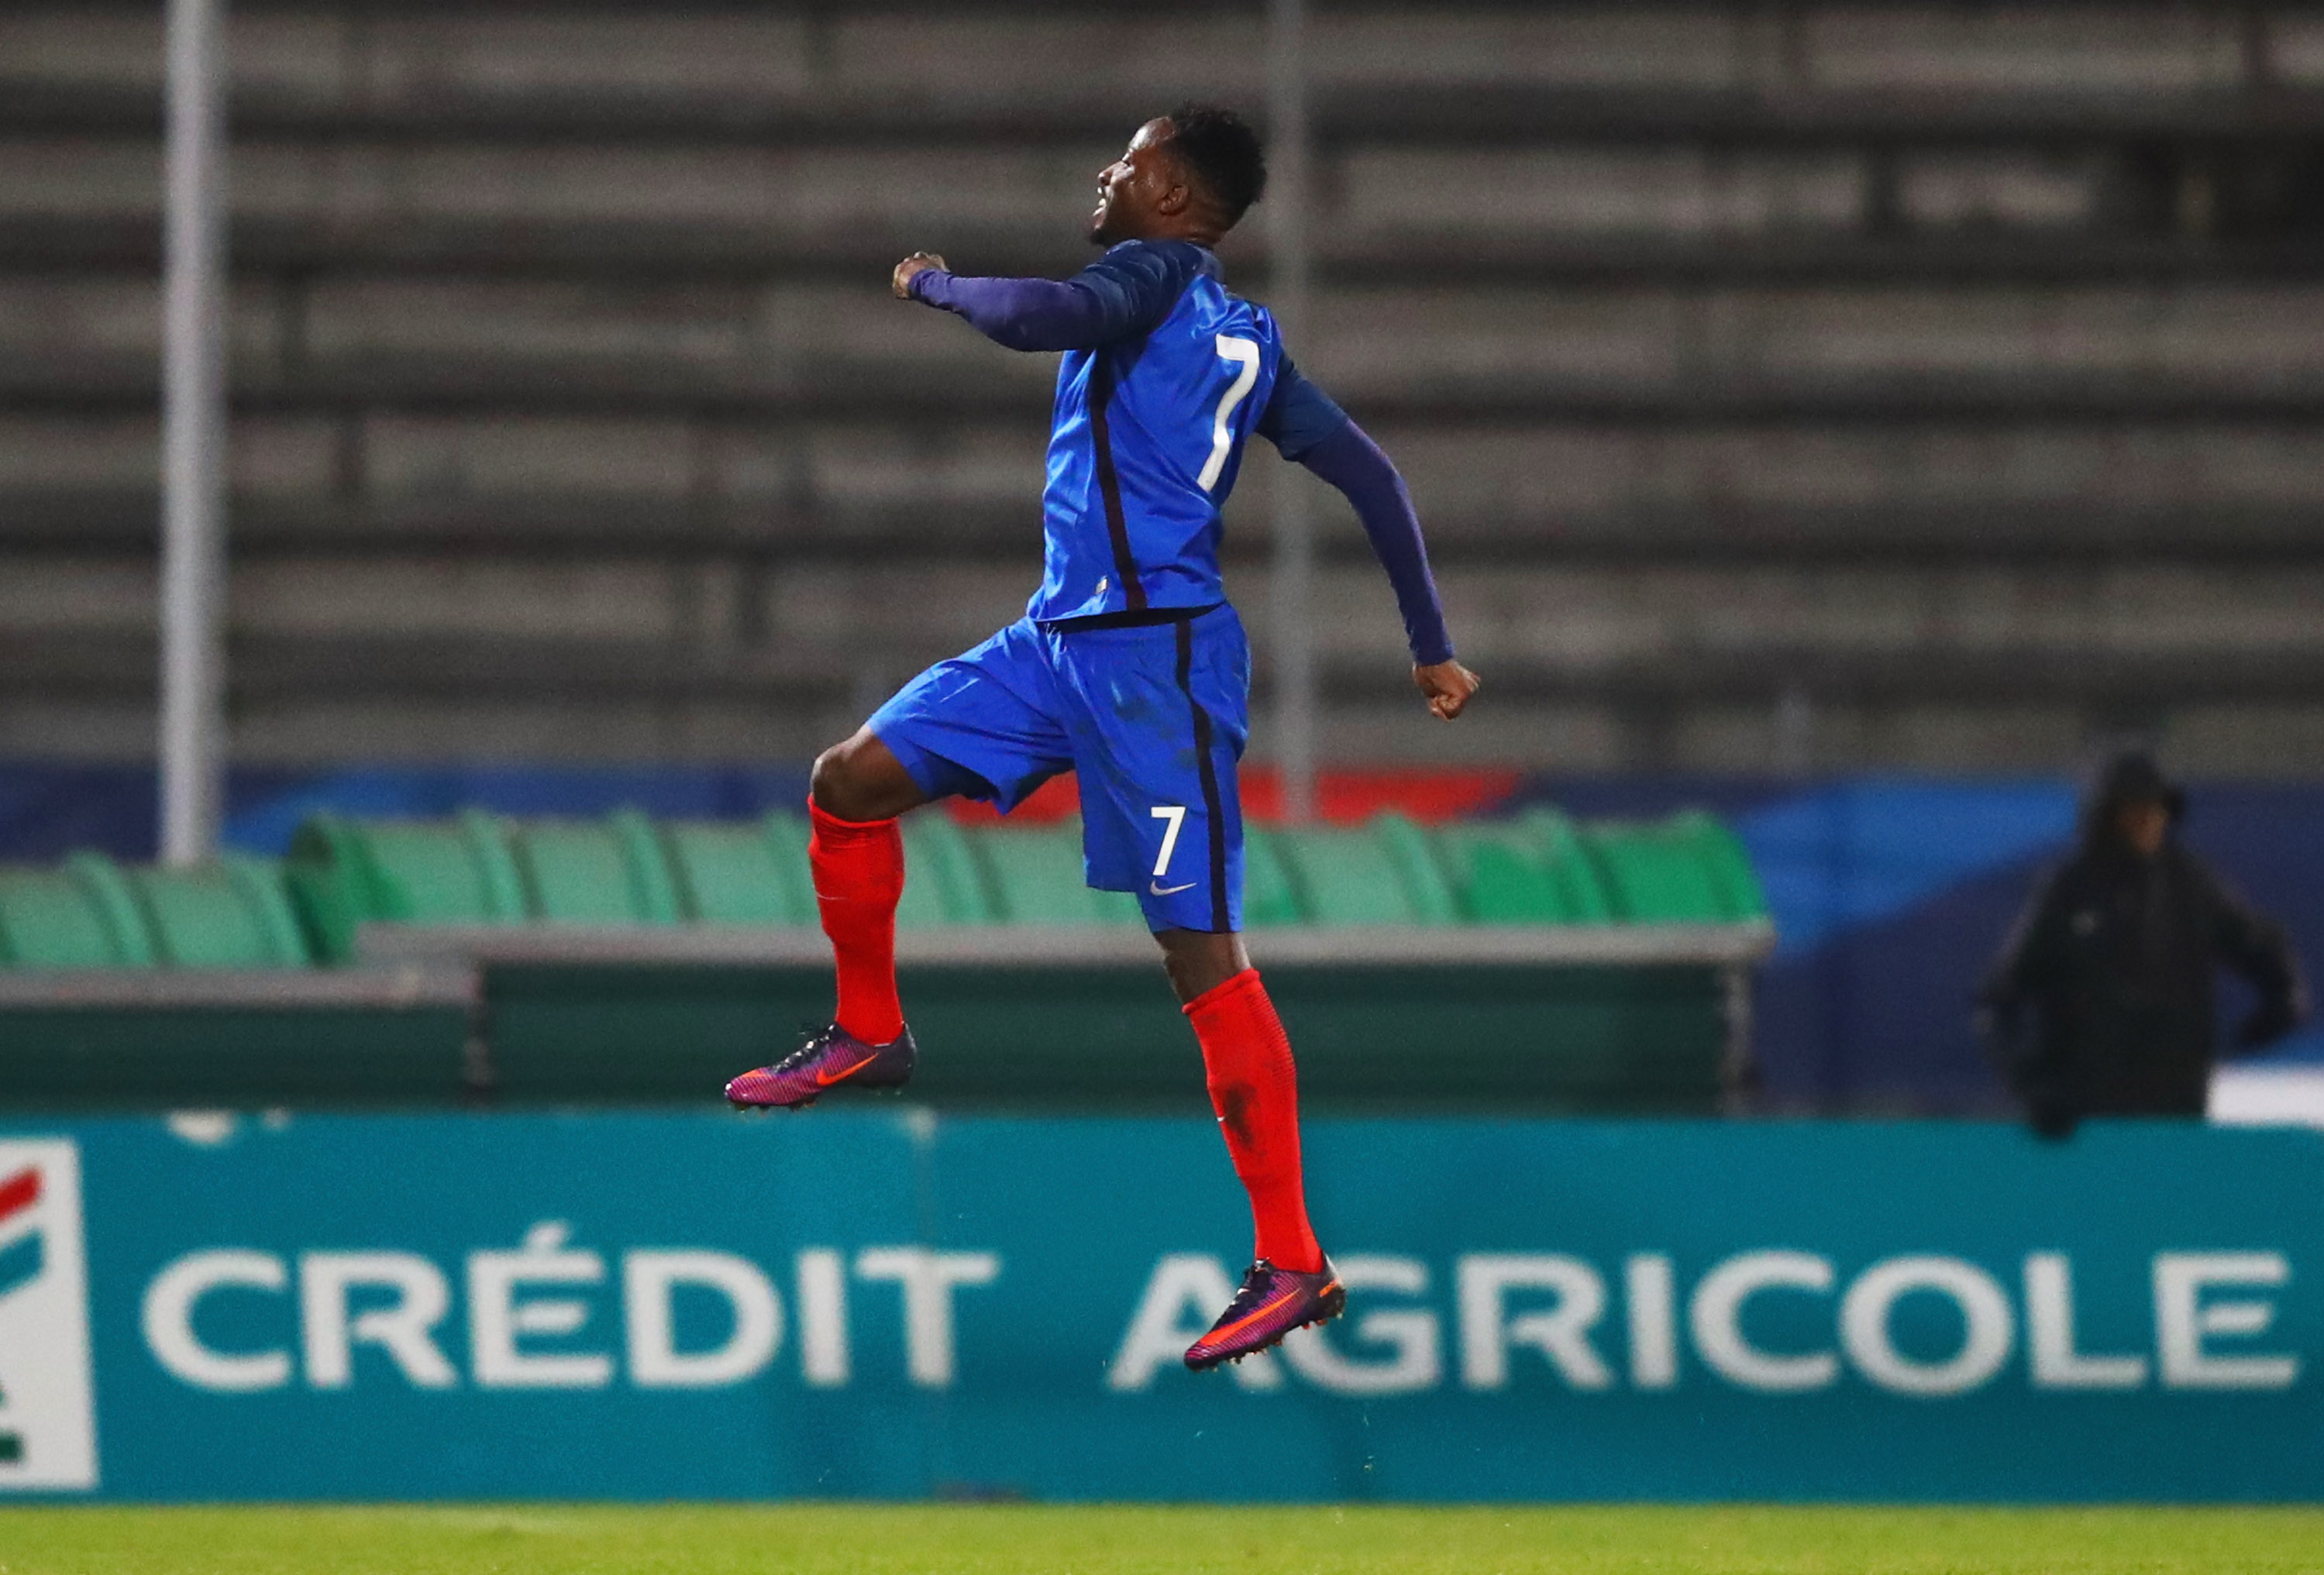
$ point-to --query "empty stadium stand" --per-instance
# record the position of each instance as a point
(1786, 386)
(625, 872)
(1601, 966)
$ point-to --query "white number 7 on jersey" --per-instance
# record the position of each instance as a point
(1243, 352)
(1175, 814)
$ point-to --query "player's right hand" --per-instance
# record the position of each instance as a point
(1448, 686)
(917, 262)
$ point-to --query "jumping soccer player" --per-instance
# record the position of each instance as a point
(1128, 666)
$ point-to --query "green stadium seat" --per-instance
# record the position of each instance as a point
(742, 872)
(345, 873)
(81, 915)
(1413, 852)
(93, 913)
(1381, 873)
(1688, 870)
(1531, 871)
(1580, 882)
(1729, 862)
(479, 868)
(235, 913)
(943, 884)
(1037, 877)
(606, 871)
(1270, 897)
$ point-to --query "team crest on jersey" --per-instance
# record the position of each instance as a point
(48, 1421)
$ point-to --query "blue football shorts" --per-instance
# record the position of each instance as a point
(1151, 718)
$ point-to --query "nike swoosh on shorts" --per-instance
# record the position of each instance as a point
(1168, 890)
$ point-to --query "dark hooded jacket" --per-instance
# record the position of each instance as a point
(2102, 1003)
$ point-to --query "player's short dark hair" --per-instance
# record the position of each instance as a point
(1222, 153)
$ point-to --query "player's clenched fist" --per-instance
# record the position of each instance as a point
(1447, 685)
(917, 262)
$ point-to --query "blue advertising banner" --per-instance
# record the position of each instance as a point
(893, 1305)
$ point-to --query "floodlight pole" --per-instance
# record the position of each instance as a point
(193, 435)
(1291, 586)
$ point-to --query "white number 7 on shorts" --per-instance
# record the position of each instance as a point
(1175, 814)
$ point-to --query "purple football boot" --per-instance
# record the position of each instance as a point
(1272, 1303)
(828, 1059)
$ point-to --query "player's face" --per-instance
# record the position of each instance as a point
(1130, 189)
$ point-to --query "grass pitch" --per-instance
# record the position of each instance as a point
(1003, 1539)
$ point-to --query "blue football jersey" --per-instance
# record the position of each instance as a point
(1147, 434)
(1165, 375)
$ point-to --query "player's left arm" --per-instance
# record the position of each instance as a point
(1302, 421)
(1123, 294)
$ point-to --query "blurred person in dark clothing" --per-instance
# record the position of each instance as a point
(2102, 1001)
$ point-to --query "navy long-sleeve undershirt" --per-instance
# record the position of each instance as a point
(1128, 293)
(1024, 314)
(1124, 293)
(1351, 461)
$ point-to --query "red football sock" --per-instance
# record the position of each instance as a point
(859, 878)
(1254, 1088)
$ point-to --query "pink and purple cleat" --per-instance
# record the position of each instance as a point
(1272, 1303)
(831, 1058)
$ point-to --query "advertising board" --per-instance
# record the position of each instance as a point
(890, 1304)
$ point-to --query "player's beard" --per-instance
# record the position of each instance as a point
(1101, 218)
